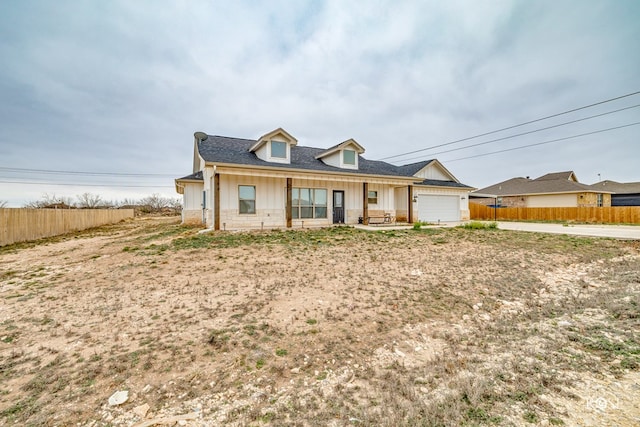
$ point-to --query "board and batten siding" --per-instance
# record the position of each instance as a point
(270, 202)
(192, 203)
(271, 197)
(401, 198)
(432, 173)
(386, 197)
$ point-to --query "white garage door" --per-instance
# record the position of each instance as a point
(432, 208)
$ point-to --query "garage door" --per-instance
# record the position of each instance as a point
(432, 208)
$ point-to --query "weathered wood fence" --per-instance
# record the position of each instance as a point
(614, 214)
(19, 225)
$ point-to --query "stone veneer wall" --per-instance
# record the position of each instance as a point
(267, 218)
(192, 216)
(590, 200)
(507, 201)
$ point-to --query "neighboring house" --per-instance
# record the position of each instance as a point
(560, 189)
(274, 182)
(624, 193)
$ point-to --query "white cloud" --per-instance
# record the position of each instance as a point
(122, 86)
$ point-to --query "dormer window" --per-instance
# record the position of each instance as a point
(274, 147)
(279, 149)
(349, 157)
(343, 155)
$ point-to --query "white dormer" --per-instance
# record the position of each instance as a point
(344, 155)
(275, 146)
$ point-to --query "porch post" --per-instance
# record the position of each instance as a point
(216, 201)
(410, 205)
(365, 203)
(289, 202)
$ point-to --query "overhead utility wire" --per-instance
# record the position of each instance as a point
(544, 142)
(512, 127)
(523, 133)
(49, 171)
(85, 185)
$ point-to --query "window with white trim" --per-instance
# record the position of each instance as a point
(308, 203)
(279, 149)
(247, 199)
(348, 157)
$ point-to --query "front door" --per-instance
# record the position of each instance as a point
(338, 207)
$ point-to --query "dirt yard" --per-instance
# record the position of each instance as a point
(334, 327)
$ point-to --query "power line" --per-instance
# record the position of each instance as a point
(523, 133)
(85, 185)
(544, 142)
(512, 127)
(62, 172)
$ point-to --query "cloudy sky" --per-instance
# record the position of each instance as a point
(118, 88)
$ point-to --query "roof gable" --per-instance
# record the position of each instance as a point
(349, 143)
(568, 175)
(278, 135)
(429, 170)
(413, 168)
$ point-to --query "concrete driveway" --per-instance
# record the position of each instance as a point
(614, 231)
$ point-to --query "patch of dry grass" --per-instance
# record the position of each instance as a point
(314, 327)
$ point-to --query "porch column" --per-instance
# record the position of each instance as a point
(410, 205)
(365, 203)
(216, 201)
(289, 202)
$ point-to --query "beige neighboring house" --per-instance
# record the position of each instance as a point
(275, 182)
(559, 189)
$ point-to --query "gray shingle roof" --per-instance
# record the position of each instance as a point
(194, 176)
(222, 149)
(413, 168)
(546, 184)
(442, 183)
(617, 187)
(566, 175)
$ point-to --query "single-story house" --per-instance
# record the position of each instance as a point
(558, 189)
(275, 182)
(624, 193)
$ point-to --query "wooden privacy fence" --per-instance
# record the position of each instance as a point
(614, 214)
(19, 225)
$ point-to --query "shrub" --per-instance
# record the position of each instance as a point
(418, 225)
(477, 225)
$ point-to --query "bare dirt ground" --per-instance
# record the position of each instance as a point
(338, 327)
